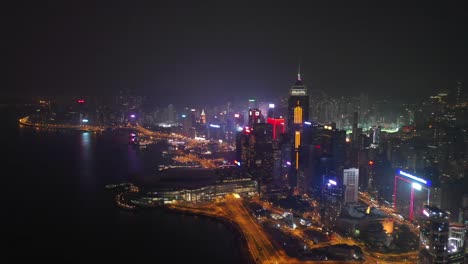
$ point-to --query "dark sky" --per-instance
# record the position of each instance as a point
(203, 52)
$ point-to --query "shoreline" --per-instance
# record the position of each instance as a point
(24, 121)
(231, 225)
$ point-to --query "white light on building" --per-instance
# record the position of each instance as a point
(351, 183)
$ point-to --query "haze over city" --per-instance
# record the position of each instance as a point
(214, 133)
(209, 51)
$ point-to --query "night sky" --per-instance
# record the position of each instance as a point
(203, 52)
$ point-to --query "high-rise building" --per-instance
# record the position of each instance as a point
(298, 113)
(355, 127)
(186, 122)
(263, 132)
(459, 93)
(271, 111)
(457, 238)
(239, 120)
(203, 117)
(252, 103)
(215, 132)
(435, 243)
(463, 212)
(376, 135)
(278, 126)
(171, 114)
(255, 116)
(244, 148)
(263, 163)
(298, 104)
(351, 183)
(322, 151)
(310, 169)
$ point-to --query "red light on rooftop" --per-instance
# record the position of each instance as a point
(80, 101)
(371, 162)
(318, 146)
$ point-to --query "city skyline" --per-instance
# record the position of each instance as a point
(221, 133)
(212, 52)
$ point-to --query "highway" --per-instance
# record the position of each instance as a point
(231, 208)
(364, 197)
(261, 246)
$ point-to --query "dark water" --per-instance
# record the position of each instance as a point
(55, 206)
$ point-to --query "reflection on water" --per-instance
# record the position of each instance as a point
(86, 161)
(86, 153)
(58, 193)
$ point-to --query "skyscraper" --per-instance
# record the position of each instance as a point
(436, 244)
(278, 126)
(298, 113)
(298, 104)
(255, 117)
(203, 117)
(351, 183)
(271, 111)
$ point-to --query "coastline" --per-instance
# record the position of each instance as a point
(231, 225)
(240, 238)
(25, 122)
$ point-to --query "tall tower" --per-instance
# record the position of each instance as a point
(298, 104)
(298, 112)
(203, 117)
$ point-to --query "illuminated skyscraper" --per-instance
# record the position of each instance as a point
(440, 242)
(298, 113)
(203, 117)
(351, 183)
(255, 116)
(298, 104)
(278, 126)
